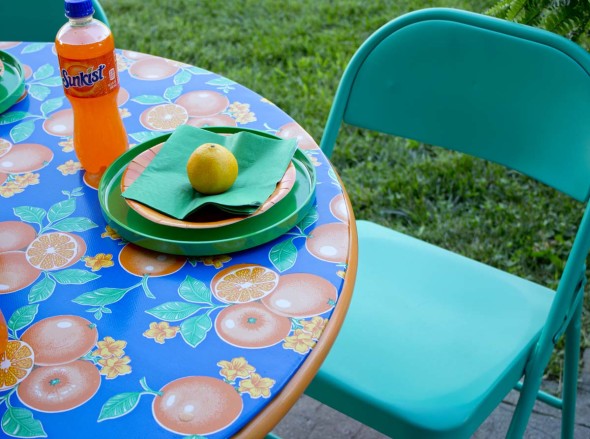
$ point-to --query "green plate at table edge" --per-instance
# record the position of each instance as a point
(243, 235)
(14, 94)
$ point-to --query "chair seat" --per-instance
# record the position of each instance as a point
(423, 372)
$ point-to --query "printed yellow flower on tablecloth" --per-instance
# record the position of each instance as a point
(15, 364)
(110, 233)
(101, 260)
(215, 261)
(300, 341)
(256, 386)
(27, 179)
(110, 348)
(237, 367)
(114, 367)
(315, 326)
(341, 273)
(241, 112)
(266, 101)
(161, 331)
(67, 145)
(124, 112)
(9, 189)
(70, 167)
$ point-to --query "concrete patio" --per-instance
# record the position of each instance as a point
(309, 419)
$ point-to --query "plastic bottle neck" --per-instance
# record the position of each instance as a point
(81, 21)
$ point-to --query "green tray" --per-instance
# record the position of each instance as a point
(242, 235)
(12, 82)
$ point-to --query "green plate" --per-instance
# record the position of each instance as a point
(12, 82)
(242, 235)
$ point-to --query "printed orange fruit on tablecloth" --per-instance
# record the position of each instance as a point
(8, 45)
(15, 272)
(25, 157)
(200, 103)
(122, 96)
(251, 325)
(243, 283)
(211, 121)
(152, 68)
(163, 117)
(301, 295)
(143, 262)
(293, 130)
(15, 235)
(329, 242)
(16, 363)
(60, 339)
(55, 250)
(60, 123)
(5, 146)
(59, 388)
(197, 405)
(338, 208)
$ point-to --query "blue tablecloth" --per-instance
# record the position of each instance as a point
(110, 340)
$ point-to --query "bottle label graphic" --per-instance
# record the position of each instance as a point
(89, 78)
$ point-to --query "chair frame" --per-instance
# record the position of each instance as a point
(565, 314)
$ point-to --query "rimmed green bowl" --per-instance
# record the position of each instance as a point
(242, 235)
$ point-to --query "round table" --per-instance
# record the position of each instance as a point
(108, 339)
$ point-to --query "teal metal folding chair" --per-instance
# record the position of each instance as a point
(433, 341)
(36, 20)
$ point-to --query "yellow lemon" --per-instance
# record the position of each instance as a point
(212, 169)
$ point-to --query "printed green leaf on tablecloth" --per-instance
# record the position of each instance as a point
(19, 422)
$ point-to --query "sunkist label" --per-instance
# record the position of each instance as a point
(89, 78)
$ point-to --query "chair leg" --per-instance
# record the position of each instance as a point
(570, 376)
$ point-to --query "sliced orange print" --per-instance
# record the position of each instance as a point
(16, 363)
(197, 405)
(53, 389)
(5, 146)
(163, 117)
(251, 325)
(15, 272)
(301, 295)
(243, 283)
(53, 251)
(60, 339)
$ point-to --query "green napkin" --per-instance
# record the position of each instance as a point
(164, 184)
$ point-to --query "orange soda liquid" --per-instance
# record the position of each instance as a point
(89, 74)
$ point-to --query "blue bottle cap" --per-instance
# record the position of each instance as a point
(78, 8)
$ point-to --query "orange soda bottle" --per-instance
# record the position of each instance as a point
(88, 67)
(3, 334)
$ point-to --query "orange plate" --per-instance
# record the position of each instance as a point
(208, 218)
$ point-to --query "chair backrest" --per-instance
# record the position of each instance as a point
(509, 93)
(501, 91)
(36, 20)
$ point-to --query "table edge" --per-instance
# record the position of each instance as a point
(272, 414)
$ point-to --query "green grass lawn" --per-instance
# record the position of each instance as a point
(293, 53)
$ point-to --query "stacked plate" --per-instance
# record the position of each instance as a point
(12, 81)
(212, 232)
